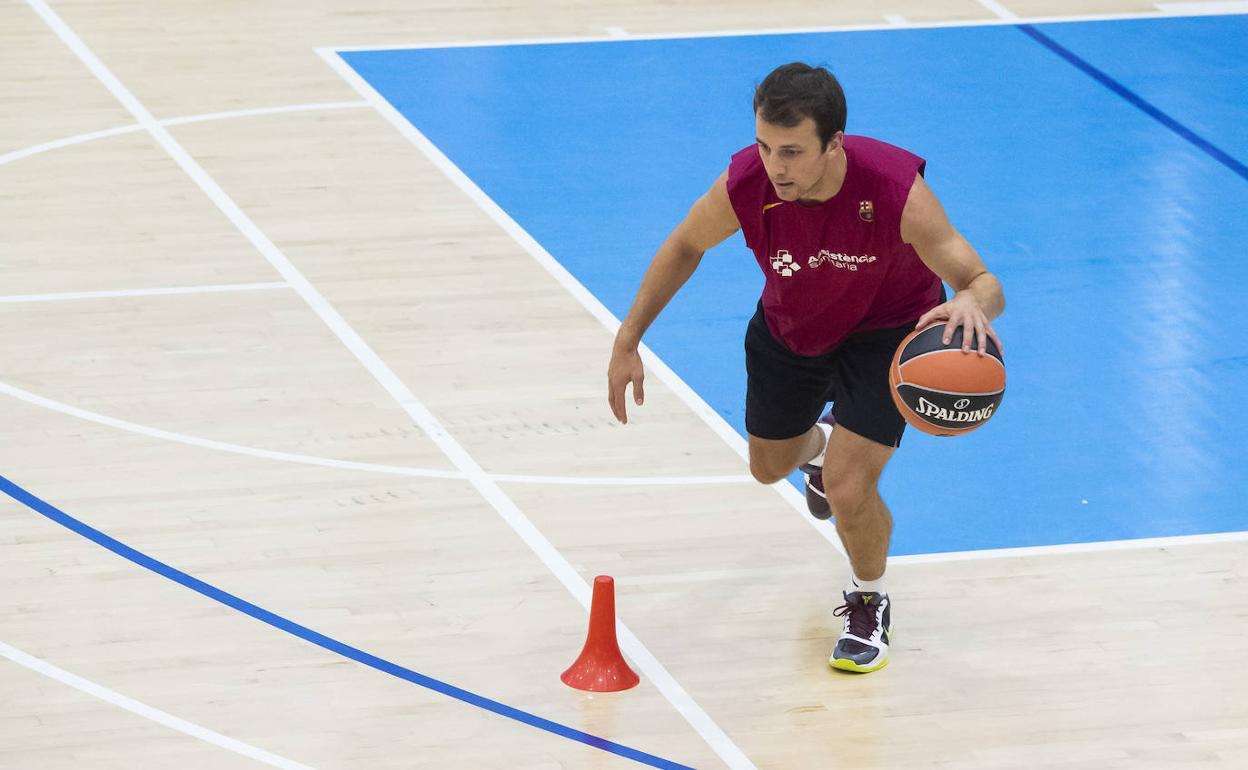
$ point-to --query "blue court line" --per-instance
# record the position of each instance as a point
(320, 640)
(1136, 100)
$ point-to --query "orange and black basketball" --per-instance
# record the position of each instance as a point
(941, 390)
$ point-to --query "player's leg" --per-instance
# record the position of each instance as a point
(784, 395)
(851, 475)
(867, 433)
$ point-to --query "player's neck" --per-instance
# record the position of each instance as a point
(831, 182)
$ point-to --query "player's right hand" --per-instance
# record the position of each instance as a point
(625, 367)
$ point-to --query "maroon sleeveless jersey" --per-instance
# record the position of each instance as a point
(840, 266)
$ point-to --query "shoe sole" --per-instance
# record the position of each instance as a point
(844, 664)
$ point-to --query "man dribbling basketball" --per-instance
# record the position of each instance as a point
(854, 246)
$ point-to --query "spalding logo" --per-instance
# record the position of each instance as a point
(928, 409)
(961, 403)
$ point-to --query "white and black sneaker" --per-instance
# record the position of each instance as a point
(863, 646)
(816, 499)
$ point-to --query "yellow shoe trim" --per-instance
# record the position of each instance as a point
(844, 664)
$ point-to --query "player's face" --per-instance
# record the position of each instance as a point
(795, 161)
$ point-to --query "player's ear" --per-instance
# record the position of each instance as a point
(835, 142)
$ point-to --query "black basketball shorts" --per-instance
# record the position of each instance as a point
(786, 392)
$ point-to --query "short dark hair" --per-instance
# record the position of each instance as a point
(796, 91)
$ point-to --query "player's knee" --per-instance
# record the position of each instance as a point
(767, 464)
(765, 471)
(848, 492)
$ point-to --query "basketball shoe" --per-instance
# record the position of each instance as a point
(816, 500)
(863, 646)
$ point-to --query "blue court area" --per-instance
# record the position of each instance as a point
(1098, 167)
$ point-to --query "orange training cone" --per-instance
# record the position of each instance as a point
(601, 667)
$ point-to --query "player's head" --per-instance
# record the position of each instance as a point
(799, 113)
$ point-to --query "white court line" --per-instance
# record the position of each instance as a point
(325, 462)
(1000, 10)
(26, 152)
(231, 115)
(1203, 9)
(68, 141)
(147, 712)
(12, 298)
(896, 20)
(1057, 550)
(632, 481)
(507, 509)
(1177, 11)
(616, 31)
(220, 446)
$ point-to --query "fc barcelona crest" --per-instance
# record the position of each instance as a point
(866, 211)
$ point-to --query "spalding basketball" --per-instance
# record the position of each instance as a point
(941, 390)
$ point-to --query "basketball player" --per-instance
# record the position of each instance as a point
(854, 246)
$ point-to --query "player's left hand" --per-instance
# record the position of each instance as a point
(963, 310)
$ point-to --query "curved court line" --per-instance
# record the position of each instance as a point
(398, 470)
(320, 640)
(393, 470)
(621, 481)
(220, 446)
(231, 114)
(69, 141)
(40, 666)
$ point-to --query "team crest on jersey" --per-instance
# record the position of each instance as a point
(866, 211)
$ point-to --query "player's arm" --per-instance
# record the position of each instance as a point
(978, 297)
(709, 222)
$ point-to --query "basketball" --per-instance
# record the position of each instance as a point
(941, 390)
